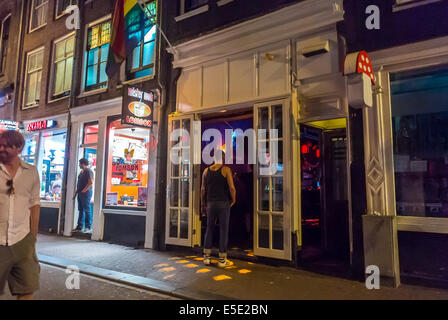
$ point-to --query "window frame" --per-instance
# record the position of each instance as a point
(84, 88)
(394, 60)
(63, 12)
(26, 105)
(53, 96)
(400, 5)
(183, 14)
(33, 8)
(129, 62)
(117, 208)
(2, 55)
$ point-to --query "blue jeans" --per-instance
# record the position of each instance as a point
(220, 209)
(85, 214)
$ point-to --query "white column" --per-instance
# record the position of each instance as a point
(71, 179)
(100, 181)
(380, 226)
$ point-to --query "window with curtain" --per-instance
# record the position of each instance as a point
(33, 78)
(39, 10)
(4, 42)
(62, 5)
(63, 67)
(98, 38)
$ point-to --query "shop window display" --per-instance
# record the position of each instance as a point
(420, 130)
(52, 165)
(127, 166)
(29, 150)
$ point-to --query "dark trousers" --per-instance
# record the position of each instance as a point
(85, 214)
(220, 210)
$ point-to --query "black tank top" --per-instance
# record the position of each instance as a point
(217, 187)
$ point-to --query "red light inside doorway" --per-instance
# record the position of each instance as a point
(305, 149)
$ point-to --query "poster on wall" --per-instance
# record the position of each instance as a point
(137, 107)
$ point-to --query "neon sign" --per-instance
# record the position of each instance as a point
(41, 125)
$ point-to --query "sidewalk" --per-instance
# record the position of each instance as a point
(185, 276)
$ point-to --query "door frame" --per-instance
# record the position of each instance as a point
(349, 193)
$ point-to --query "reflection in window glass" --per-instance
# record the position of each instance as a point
(277, 232)
(420, 131)
(51, 168)
(127, 166)
(29, 150)
(263, 231)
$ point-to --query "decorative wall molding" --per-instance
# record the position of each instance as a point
(291, 22)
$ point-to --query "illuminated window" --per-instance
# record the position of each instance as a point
(4, 42)
(39, 10)
(51, 169)
(63, 67)
(98, 38)
(29, 150)
(143, 30)
(419, 100)
(127, 166)
(33, 78)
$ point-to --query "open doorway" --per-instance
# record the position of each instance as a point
(324, 192)
(87, 150)
(241, 214)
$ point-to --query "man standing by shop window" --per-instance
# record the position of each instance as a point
(84, 192)
(19, 219)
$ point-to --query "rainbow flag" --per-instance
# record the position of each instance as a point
(122, 41)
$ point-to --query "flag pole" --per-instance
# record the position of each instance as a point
(154, 19)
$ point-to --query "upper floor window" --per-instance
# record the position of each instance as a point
(144, 30)
(4, 42)
(407, 4)
(193, 4)
(33, 78)
(62, 5)
(98, 38)
(39, 10)
(62, 67)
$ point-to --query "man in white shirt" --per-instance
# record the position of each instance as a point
(19, 219)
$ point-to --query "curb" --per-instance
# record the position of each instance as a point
(132, 280)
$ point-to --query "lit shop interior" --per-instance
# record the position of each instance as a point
(127, 167)
(46, 150)
(324, 195)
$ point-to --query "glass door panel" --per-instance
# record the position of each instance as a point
(179, 196)
(271, 211)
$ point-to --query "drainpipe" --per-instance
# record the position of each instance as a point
(77, 66)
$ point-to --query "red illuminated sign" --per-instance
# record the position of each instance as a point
(40, 125)
(127, 167)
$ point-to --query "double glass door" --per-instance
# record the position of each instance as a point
(271, 189)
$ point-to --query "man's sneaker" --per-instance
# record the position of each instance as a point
(207, 261)
(77, 230)
(87, 230)
(225, 263)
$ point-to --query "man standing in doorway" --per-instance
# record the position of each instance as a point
(19, 219)
(84, 192)
(218, 194)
